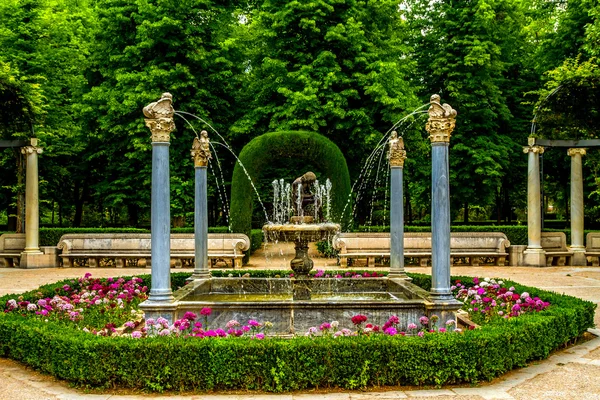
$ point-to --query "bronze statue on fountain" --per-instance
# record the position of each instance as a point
(303, 228)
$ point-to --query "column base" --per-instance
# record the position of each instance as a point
(534, 257)
(399, 275)
(445, 310)
(153, 309)
(579, 259)
(38, 259)
(198, 275)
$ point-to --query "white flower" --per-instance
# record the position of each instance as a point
(334, 324)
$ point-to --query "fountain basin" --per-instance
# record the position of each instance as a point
(333, 299)
(303, 232)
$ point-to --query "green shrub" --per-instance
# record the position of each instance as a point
(276, 365)
(256, 240)
(516, 234)
(51, 236)
(325, 249)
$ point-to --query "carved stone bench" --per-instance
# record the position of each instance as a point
(555, 246)
(132, 249)
(11, 247)
(469, 246)
(592, 248)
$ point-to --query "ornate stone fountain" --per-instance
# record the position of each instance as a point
(294, 305)
(302, 229)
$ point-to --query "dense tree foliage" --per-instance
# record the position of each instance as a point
(76, 74)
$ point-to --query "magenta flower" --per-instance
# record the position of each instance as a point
(206, 311)
(254, 323)
(259, 336)
(136, 335)
(359, 319)
(391, 331)
(190, 316)
(424, 320)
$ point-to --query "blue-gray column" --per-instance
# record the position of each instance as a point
(201, 269)
(440, 126)
(440, 221)
(160, 225)
(397, 155)
(159, 118)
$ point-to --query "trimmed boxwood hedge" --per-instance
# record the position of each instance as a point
(165, 363)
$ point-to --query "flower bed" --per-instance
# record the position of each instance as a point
(234, 359)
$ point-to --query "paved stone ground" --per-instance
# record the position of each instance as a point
(568, 374)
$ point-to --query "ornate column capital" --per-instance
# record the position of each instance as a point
(33, 148)
(201, 150)
(396, 154)
(159, 118)
(441, 122)
(533, 149)
(576, 151)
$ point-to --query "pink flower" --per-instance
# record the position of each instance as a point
(420, 334)
(259, 336)
(206, 311)
(136, 335)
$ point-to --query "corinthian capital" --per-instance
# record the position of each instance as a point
(201, 150)
(397, 154)
(159, 118)
(441, 122)
(33, 148)
(533, 149)
(577, 151)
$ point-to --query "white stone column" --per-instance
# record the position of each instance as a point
(159, 118)
(201, 155)
(577, 208)
(534, 255)
(397, 155)
(32, 200)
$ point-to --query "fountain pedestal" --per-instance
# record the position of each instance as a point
(301, 265)
(301, 235)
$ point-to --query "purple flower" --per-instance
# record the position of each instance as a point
(480, 291)
(150, 321)
(259, 336)
(136, 334)
(245, 328)
(254, 323)
(129, 324)
(325, 326)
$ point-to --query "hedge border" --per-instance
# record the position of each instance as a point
(281, 365)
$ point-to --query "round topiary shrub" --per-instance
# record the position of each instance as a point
(287, 155)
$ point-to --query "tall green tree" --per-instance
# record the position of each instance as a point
(141, 49)
(466, 52)
(337, 67)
